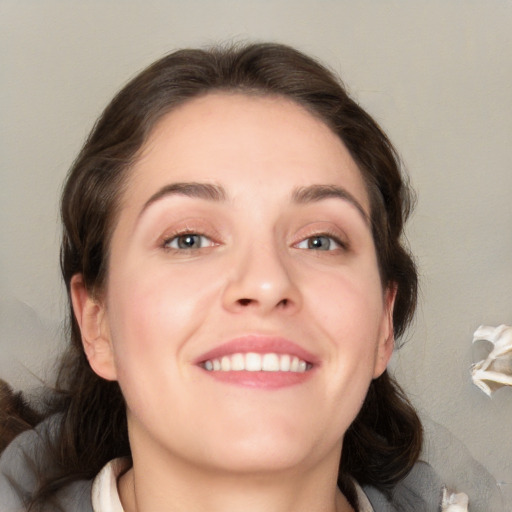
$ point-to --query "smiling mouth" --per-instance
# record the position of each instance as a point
(255, 362)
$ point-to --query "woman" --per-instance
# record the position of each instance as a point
(233, 258)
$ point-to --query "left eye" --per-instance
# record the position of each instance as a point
(319, 243)
(188, 241)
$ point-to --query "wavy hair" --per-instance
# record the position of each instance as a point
(385, 439)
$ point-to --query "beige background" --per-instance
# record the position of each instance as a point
(437, 74)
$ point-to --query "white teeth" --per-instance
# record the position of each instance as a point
(270, 363)
(237, 362)
(253, 362)
(225, 364)
(284, 363)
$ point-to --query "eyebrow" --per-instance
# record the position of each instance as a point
(315, 193)
(207, 191)
(217, 193)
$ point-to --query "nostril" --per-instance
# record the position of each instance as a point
(247, 302)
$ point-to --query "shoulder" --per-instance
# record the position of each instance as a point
(21, 463)
(420, 491)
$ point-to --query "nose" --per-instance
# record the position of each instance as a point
(263, 281)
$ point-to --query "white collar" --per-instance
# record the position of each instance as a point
(105, 497)
(362, 499)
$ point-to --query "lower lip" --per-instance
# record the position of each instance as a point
(261, 380)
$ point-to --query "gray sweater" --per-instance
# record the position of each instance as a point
(24, 459)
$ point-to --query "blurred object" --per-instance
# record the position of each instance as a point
(496, 371)
(453, 502)
(16, 415)
(459, 470)
(506, 492)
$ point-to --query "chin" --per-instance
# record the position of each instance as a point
(269, 450)
(261, 459)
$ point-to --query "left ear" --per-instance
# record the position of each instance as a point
(387, 336)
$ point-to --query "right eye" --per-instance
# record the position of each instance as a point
(188, 241)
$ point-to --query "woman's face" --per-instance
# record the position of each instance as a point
(244, 315)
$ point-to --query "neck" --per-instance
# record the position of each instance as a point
(167, 484)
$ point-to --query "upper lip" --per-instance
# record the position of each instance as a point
(258, 344)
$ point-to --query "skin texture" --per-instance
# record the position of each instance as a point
(199, 443)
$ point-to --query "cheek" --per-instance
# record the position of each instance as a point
(154, 309)
(153, 314)
(349, 302)
(351, 315)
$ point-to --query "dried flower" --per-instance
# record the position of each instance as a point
(495, 371)
(453, 502)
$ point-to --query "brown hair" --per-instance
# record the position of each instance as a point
(385, 439)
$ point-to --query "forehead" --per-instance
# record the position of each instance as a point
(241, 140)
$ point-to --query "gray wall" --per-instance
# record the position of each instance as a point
(436, 74)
